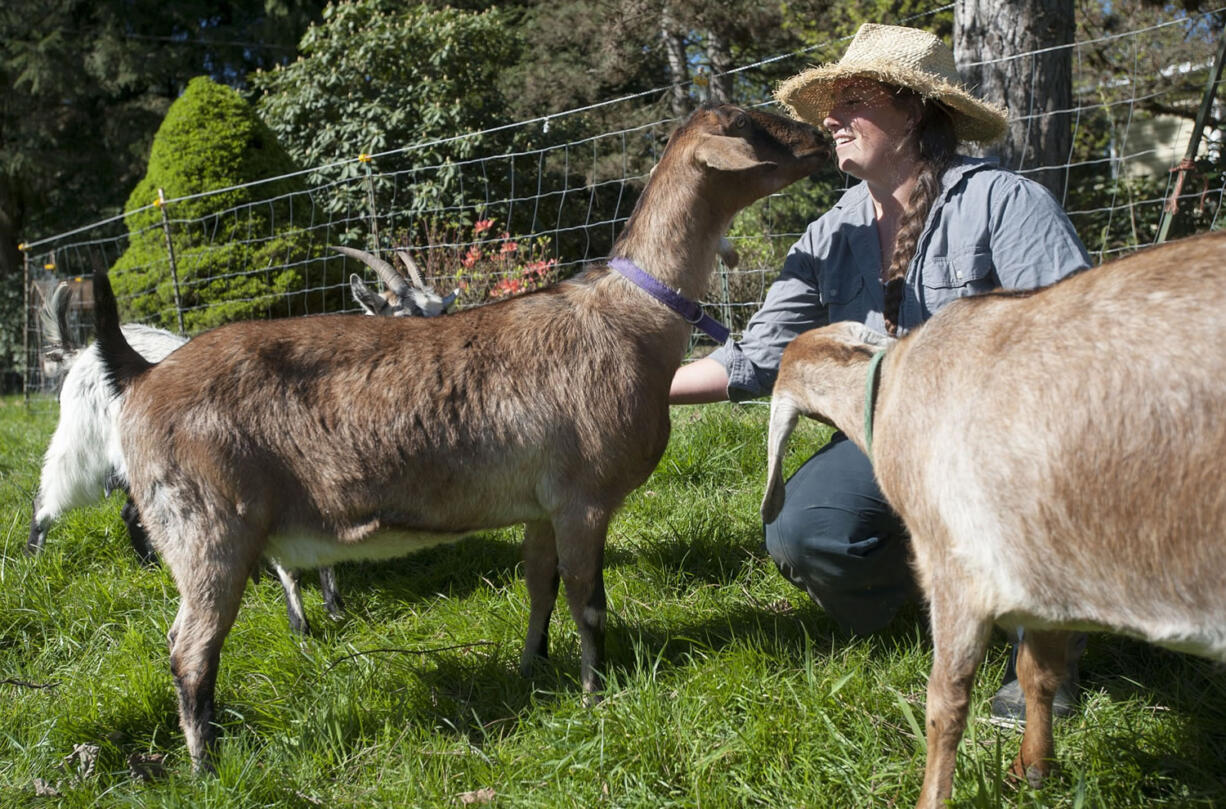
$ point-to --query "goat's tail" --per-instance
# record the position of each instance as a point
(121, 363)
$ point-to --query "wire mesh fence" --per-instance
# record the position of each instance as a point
(508, 210)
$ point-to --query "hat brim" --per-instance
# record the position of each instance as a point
(809, 96)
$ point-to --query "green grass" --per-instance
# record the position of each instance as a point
(727, 687)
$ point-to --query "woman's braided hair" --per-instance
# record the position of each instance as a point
(933, 136)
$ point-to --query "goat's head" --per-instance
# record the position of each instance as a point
(813, 375)
(404, 297)
(748, 153)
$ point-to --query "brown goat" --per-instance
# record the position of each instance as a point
(317, 440)
(1058, 459)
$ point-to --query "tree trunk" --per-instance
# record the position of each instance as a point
(1036, 89)
(12, 289)
(679, 72)
(12, 209)
(720, 59)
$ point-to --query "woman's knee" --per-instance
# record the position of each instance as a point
(837, 539)
(834, 548)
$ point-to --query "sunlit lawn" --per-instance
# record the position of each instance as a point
(727, 687)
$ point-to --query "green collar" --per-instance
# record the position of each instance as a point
(870, 400)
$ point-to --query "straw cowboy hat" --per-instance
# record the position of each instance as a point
(903, 57)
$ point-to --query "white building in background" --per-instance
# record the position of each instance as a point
(1156, 145)
(1152, 145)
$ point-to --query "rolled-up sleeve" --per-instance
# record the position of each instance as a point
(792, 306)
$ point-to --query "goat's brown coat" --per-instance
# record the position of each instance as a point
(1058, 459)
(334, 438)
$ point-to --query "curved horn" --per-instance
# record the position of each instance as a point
(387, 273)
(411, 266)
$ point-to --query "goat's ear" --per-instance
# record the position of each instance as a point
(53, 320)
(425, 303)
(723, 153)
(873, 338)
(373, 304)
(728, 253)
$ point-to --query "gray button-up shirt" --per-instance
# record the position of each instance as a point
(988, 228)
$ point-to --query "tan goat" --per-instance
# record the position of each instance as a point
(1059, 459)
(316, 440)
(84, 459)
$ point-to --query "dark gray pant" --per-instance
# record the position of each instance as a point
(839, 540)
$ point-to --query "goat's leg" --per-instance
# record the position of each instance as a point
(39, 523)
(293, 599)
(333, 602)
(59, 489)
(137, 534)
(1042, 663)
(958, 642)
(580, 544)
(541, 578)
(210, 598)
(173, 632)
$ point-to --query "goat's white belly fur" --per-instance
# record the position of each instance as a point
(1169, 628)
(309, 549)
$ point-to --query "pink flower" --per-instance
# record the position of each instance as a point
(508, 286)
(509, 247)
(541, 268)
(471, 257)
(482, 225)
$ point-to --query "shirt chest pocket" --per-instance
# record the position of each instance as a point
(842, 293)
(959, 276)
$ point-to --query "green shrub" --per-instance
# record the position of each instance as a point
(375, 76)
(235, 258)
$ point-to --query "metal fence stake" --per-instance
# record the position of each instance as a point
(364, 159)
(25, 332)
(1189, 157)
(174, 267)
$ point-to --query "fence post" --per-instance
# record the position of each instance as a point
(174, 267)
(1189, 157)
(364, 159)
(25, 331)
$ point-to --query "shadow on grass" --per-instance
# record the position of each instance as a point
(478, 696)
(1187, 761)
(795, 632)
(458, 569)
(455, 569)
(717, 556)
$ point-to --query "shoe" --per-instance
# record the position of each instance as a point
(1008, 704)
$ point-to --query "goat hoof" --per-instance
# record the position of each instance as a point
(531, 664)
(1033, 774)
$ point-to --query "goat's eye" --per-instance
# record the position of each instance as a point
(741, 121)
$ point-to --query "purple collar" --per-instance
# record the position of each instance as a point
(671, 298)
